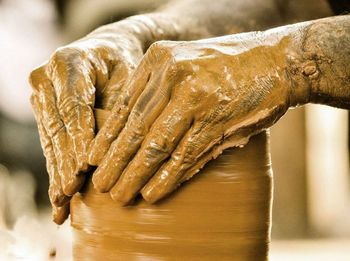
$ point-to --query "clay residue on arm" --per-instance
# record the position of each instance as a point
(317, 56)
(200, 98)
(181, 20)
(326, 55)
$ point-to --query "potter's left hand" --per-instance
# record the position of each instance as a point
(188, 101)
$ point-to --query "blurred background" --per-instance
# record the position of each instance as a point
(309, 146)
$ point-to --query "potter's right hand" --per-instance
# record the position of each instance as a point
(87, 73)
(188, 101)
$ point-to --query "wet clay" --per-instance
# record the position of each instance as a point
(202, 96)
(78, 77)
(92, 72)
(221, 214)
(188, 101)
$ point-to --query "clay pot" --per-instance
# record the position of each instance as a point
(223, 213)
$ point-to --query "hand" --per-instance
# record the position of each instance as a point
(186, 102)
(78, 77)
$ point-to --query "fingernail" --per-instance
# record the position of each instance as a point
(60, 214)
(98, 185)
(72, 185)
(120, 196)
(148, 194)
(60, 200)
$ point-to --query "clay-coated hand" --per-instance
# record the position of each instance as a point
(186, 102)
(78, 77)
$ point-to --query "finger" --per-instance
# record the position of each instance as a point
(201, 145)
(119, 114)
(157, 146)
(75, 100)
(80, 124)
(197, 142)
(71, 183)
(147, 109)
(108, 94)
(60, 214)
(56, 130)
(56, 195)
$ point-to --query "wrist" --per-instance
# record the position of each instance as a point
(319, 66)
(277, 47)
(300, 70)
(299, 75)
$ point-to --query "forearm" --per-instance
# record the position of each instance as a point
(221, 17)
(318, 59)
(195, 19)
(313, 57)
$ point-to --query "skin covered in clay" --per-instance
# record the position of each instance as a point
(224, 214)
(85, 74)
(92, 72)
(190, 100)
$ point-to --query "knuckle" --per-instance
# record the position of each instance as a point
(70, 69)
(189, 158)
(190, 152)
(184, 68)
(139, 128)
(160, 50)
(66, 53)
(67, 104)
(68, 109)
(158, 146)
(36, 77)
(55, 128)
(63, 57)
(58, 56)
(161, 45)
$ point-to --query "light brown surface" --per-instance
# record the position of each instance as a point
(87, 74)
(185, 103)
(221, 214)
(91, 72)
(188, 101)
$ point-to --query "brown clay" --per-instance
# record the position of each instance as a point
(299, 66)
(222, 214)
(188, 101)
(92, 72)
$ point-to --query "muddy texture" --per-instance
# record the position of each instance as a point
(222, 214)
(92, 73)
(188, 101)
